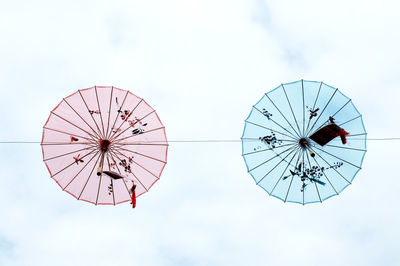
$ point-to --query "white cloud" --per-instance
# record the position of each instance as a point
(201, 65)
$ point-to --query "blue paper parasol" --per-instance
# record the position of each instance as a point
(304, 142)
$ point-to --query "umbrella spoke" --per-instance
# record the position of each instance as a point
(303, 188)
(116, 151)
(112, 136)
(276, 123)
(291, 181)
(325, 123)
(94, 131)
(91, 115)
(116, 136)
(111, 179)
(67, 143)
(338, 158)
(90, 175)
(81, 170)
(146, 143)
(350, 120)
(326, 176)
(109, 114)
(304, 113)
(124, 138)
(283, 159)
(64, 154)
(347, 148)
(277, 155)
(116, 117)
(291, 135)
(101, 116)
(244, 154)
(291, 109)
(287, 166)
(74, 125)
(92, 140)
(315, 183)
(69, 165)
(111, 153)
(135, 152)
(330, 166)
(322, 111)
(315, 102)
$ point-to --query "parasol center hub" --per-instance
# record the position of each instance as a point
(104, 144)
(304, 143)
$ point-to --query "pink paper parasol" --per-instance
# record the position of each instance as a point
(104, 128)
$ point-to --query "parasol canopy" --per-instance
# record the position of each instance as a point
(104, 145)
(304, 142)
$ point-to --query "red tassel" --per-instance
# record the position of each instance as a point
(133, 196)
(343, 133)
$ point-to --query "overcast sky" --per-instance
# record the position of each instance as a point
(201, 65)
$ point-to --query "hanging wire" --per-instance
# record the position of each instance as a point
(193, 141)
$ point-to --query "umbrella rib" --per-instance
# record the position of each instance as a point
(303, 170)
(291, 109)
(315, 102)
(326, 176)
(61, 155)
(80, 170)
(83, 99)
(290, 185)
(112, 151)
(270, 129)
(116, 117)
(284, 145)
(332, 167)
(72, 124)
(341, 108)
(111, 179)
(277, 155)
(338, 158)
(258, 139)
(322, 111)
(115, 137)
(119, 140)
(67, 143)
(333, 115)
(72, 164)
(350, 120)
(98, 189)
(80, 116)
(90, 175)
(101, 116)
(287, 166)
(142, 155)
(347, 148)
(109, 113)
(116, 151)
(315, 183)
(142, 143)
(66, 133)
(304, 110)
(283, 159)
(279, 124)
(287, 121)
(112, 137)
(119, 171)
